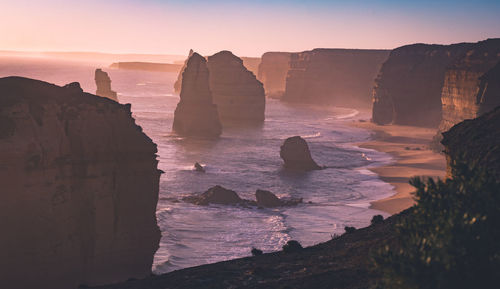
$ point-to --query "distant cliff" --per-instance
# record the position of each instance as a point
(79, 186)
(273, 70)
(252, 64)
(238, 94)
(475, 141)
(342, 77)
(472, 84)
(424, 84)
(147, 66)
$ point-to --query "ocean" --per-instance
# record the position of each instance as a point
(243, 159)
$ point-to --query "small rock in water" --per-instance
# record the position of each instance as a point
(199, 168)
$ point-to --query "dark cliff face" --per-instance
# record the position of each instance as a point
(238, 94)
(273, 70)
(79, 188)
(471, 85)
(475, 141)
(342, 77)
(408, 88)
(431, 85)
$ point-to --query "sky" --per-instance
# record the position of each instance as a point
(247, 28)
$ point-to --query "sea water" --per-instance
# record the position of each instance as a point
(243, 159)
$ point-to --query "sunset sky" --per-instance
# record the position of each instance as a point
(248, 28)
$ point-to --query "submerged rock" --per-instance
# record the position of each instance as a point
(103, 83)
(79, 188)
(269, 200)
(215, 195)
(199, 168)
(296, 155)
(236, 91)
(196, 114)
(223, 196)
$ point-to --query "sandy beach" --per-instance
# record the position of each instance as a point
(409, 147)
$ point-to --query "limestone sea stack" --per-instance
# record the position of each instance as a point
(252, 64)
(340, 77)
(178, 82)
(296, 155)
(273, 70)
(239, 96)
(196, 114)
(472, 84)
(103, 83)
(79, 188)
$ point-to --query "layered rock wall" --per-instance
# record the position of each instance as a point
(239, 96)
(471, 85)
(432, 85)
(273, 70)
(196, 114)
(79, 187)
(342, 77)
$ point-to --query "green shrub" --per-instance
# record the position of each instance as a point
(451, 239)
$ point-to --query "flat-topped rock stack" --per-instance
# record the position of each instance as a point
(239, 96)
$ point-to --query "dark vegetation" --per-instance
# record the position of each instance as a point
(377, 219)
(292, 246)
(451, 239)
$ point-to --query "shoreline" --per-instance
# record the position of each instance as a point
(409, 148)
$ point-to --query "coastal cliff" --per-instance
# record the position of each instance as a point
(196, 114)
(342, 77)
(79, 188)
(103, 83)
(239, 96)
(252, 64)
(475, 141)
(472, 84)
(272, 72)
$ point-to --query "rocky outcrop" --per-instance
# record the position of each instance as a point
(178, 82)
(79, 188)
(408, 89)
(296, 155)
(196, 114)
(238, 94)
(252, 64)
(472, 84)
(222, 196)
(273, 70)
(475, 141)
(341, 77)
(267, 199)
(147, 66)
(103, 83)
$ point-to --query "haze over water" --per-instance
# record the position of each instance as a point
(243, 159)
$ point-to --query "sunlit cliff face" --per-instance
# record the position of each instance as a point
(244, 27)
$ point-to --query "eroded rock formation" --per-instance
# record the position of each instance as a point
(236, 91)
(273, 70)
(103, 83)
(222, 196)
(196, 114)
(472, 84)
(178, 82)
(296, 155)
(475, 141)
(148, 66)
(79, 190)
(342, 77)
(409, 87)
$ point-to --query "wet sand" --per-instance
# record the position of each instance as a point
(409, 146)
